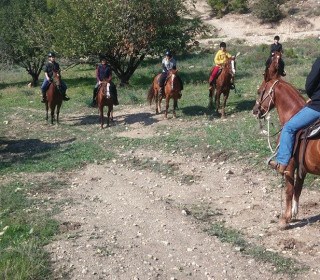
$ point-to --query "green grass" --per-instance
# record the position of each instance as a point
(235, 238)
(28, 145)
(24, 232)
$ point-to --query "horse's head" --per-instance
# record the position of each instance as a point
(56, 78)
(173, 80)
(231, 66)
(265, 101)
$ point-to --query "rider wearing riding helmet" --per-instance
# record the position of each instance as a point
(276, 47)
(50, 67)
(220, 59)
(104, 72)
(168, 63)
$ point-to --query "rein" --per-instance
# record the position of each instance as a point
(271, 90)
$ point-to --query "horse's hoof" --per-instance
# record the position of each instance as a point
(283, 225)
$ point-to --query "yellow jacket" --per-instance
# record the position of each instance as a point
(221, 57)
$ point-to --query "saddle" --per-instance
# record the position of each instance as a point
(302, 138)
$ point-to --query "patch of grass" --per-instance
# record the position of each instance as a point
(236, 239)
(24, 232)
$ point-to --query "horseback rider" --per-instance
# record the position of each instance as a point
(104, 72)
(50, 67)
(220, 59)
(276, 47)
(305, 117)
(168, 63)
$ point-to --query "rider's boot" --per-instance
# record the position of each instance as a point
(94, 97)
(65, 97)
(115, 99)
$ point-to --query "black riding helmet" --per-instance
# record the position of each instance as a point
(168, 53)
(103, 57)
(223, 45)
(51, 54)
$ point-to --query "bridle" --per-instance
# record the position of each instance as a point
(270, 94)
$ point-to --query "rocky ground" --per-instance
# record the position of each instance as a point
(120, 221)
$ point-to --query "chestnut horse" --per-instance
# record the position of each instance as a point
(172, 89)
(288, 101)
(104, 98)
(223, 86)
(54, 97)
(272, 71)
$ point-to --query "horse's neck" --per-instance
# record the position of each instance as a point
(288, 102)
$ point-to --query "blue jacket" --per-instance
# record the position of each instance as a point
(313, 86)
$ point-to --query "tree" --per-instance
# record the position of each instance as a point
(267, 10)
(125, 31)
(24, 38)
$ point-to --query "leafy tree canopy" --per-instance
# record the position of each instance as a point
(23, 35)
(123, 30)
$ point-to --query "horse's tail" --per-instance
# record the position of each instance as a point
(150, 96)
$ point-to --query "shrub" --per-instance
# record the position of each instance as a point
(222, 7)
(267, 10)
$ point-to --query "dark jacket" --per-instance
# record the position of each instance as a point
(275, 48)
(103, 71)
(50, 67)
(313, 86)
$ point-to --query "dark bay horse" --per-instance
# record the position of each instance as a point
(54, 97)
(288, 101)
(172, 90)
(104, 98)
(223, 86)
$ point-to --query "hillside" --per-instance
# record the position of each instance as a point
(302, 23)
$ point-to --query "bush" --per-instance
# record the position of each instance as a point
(267, 10)
(222, 7)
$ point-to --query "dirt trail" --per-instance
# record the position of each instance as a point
(131, 223)
(125, 222)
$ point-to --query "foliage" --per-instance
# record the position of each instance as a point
(24, 38)
(124, 31)
(267, 10)
(222, 7)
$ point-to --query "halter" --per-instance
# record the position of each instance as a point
(271, 95)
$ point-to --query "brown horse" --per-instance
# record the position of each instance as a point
(288, 101)
(272, 71)
(172, 90)
(104, 98)
(54, 97)
(223, 86)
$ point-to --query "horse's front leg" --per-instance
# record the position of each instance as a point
(167, 107)
(210, 105)
(175, 105)
(289, 191)
(52, 114)
(217, 101)
(108, 117)
(58, 112)
(47, 111)
(101, 117)
(225, 98)
(158, 103)
(298, 184)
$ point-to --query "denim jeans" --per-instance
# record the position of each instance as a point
(46, 83)
(302, 119)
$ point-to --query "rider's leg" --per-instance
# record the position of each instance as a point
(281, 68)
(213, 75)
(162, 81)
(114, 93)
(94, 95)
(44, 88)
(63, 91)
